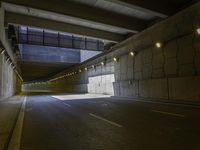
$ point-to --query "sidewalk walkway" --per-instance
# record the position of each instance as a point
(9, 110)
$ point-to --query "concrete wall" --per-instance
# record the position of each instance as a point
(10, 84)
(170, 73)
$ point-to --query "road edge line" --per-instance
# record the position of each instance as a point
(17, 133)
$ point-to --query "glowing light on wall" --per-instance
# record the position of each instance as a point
(115, 59)
(158, 44)
(198, 31)
(132, 53)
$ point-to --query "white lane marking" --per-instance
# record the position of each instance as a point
(168, 113)
(66, 104)
(108, 121)
(16, 136)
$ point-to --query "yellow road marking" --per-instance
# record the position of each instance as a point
(108, 121)
(168, 113)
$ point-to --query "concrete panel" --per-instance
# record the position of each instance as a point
(187, 70)
(156, 33)
(197, 53)
(129, 88)
(123, 67)
(138, 75)
(155, 88)
(170, 29)
(147, 56)
(170, 49)
(117, 75)
(130, 61)
(130, 73)
(116, 86)
(186, 50)
(185, 22)
(158, 60)
(147, 71)
(171, 67)
(80, 88)
(158, 73)
(102, 84)
(117, 65)
(143, 40)
(138, 62)
(185, 88)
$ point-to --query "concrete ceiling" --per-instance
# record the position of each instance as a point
(117, 7)
(114, 17)
(122, 7)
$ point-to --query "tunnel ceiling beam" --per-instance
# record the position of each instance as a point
(90, 15)
(19, 19)
(155, 7)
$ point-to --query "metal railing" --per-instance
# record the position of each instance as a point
(60, 40)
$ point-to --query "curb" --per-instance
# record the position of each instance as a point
(13, 142)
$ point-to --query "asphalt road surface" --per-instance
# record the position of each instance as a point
(94, 123)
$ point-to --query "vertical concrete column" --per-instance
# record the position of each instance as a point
(3, 77)
(1, 73)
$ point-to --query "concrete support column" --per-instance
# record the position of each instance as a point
(1, 73)
(4, 76)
